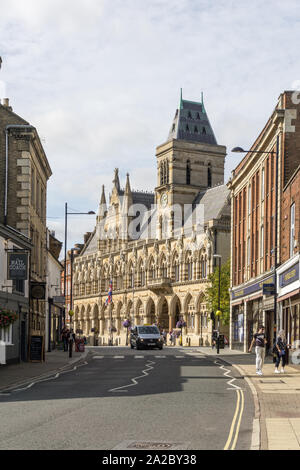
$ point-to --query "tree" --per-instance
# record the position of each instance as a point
(211, 293)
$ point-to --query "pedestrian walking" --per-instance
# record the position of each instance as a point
(214, 339)
(164, 335)
(280, 348)
(65, 337)
(260, 341)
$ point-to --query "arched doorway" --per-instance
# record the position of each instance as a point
(175, 309)
(163, 315)
(150, 312)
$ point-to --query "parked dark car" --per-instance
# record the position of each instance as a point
(146, 336)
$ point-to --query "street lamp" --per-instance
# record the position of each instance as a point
(276, 155)
(218, 313)
(65, 266)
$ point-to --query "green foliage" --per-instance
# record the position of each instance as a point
(211, 294)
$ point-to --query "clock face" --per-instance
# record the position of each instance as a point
(164, 199)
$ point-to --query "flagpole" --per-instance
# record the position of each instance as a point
(111, 332)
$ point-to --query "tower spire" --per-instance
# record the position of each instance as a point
(102, 210)
(127, 187)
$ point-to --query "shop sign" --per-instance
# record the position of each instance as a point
(38, 290)
(257, 286)
(289, 276)
(268, 289)
(17, 266)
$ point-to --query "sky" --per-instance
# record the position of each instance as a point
(101, 79)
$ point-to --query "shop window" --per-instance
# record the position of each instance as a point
(292, 229)
(6, 334)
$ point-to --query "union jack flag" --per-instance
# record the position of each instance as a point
(109, 296)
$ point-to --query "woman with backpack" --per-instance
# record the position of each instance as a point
(280, 348)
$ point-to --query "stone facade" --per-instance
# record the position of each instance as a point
(158, 268)
(24, 172)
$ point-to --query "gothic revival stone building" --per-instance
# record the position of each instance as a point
(157, 248)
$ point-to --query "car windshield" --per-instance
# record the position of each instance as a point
(148, 330)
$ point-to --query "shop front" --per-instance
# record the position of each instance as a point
(288, 286)
(252, 305)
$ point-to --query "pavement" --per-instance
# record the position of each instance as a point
(276, 424)
(276, 398)
(13, 375)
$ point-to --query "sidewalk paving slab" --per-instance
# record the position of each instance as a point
(277, 395)
(12, 375)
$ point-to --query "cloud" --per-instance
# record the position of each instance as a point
(100, 80)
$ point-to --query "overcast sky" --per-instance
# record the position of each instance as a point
(101, 79)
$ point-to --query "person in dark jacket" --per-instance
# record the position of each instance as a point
(65, 337)
(281, 352)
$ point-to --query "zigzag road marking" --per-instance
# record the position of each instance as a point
(27, 387)
(236, 422)
(134, 381)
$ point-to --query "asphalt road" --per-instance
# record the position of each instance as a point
(123, 399)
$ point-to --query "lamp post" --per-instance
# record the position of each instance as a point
(66, 231)
(218, 313)
(276, 156)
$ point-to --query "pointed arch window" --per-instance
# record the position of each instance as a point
(196, 129)
(190, 115)
(188, 172)
(161, 173)
(141, 275)
(176, 270)
(164, 172)
(198, 116)
(189, 269)
(187, 128)
(203, 130)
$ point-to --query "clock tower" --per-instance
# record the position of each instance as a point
(190, 160)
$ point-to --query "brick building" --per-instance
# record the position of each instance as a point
(67, 288)
(24, 172)
(288, 281)
(256, 222)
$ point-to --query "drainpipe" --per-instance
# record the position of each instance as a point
(7, 128)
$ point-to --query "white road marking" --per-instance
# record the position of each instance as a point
(46, 379)
(139, 357)
(98, 357)
(159, 357)
(144, 372)
(119, 357)
(236, 422)
(179, 357)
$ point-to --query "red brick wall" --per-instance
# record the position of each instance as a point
(291, 194)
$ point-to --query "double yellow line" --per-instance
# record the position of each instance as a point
(236, 422)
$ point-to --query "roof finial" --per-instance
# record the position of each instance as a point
(180, 105)
(202, 102)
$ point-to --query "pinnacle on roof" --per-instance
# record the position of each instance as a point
(191, 123)
(116, 180)
(127, 187)
(102, 206)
